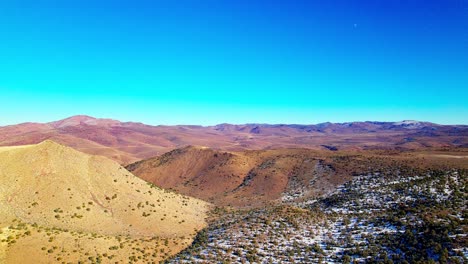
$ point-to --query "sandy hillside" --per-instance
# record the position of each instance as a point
(60, 204)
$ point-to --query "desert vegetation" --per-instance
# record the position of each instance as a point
(66, 206)
(394, 216)
(294, 206)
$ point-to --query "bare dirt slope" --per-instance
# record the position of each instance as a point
(127, 142)
(257, 177)
(245, 178)
(62, 204)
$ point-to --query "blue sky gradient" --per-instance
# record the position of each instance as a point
(212, 61)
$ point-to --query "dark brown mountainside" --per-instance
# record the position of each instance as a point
(239, 178)
(255, 177)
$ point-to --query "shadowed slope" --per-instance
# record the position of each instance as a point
(248, 178)
(256, 177)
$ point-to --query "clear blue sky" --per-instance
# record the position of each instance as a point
(213, 61)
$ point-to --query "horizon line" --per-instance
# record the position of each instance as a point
(227, 123)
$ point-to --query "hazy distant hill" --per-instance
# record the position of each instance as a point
(128, 142)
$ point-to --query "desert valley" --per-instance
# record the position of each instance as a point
(233, 131)
(89, 190)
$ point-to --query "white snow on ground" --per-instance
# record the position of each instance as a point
(344, 220)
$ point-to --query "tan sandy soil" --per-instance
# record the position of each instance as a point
(87, 203)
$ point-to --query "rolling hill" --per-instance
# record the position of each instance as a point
(248, 178)
(259, 177)
(62, 204)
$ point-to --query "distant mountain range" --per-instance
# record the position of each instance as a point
(127, 142)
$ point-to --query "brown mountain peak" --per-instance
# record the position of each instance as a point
(83, 120)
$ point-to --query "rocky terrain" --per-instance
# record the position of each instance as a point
(258, 177)
(393, 216)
